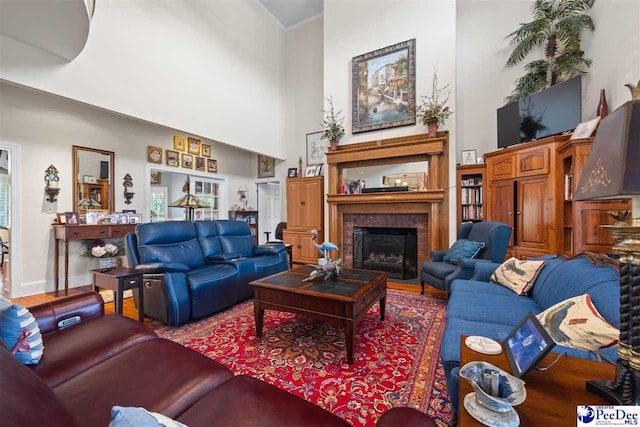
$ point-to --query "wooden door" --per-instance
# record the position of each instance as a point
(532, 215)
(500, 201)
(304, 203)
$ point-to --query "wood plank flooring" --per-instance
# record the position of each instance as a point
(129, 309)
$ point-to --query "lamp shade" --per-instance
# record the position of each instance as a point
(188, 201)
(89, 203)
(613, 167)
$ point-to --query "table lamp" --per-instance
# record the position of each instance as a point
(613, 172)
(189, 202)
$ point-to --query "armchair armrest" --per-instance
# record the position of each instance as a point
(67, 311)
(270, 249)
(224, 257)
(437, 256)
(162, 267)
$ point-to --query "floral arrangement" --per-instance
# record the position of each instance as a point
(333, 123)
(100, 249)
(433, 106)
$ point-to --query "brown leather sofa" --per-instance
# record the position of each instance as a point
(106, 360)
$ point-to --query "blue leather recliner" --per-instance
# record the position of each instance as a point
(194, 269)
(495, 236)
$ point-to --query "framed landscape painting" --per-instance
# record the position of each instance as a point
(384, 88)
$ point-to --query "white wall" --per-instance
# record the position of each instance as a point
(213, 69)
(482, 50)
(45, 127)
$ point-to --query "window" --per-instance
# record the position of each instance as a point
(158, 204)
(209, 192)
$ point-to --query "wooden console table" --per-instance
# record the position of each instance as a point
(66, 233)
(552, 396)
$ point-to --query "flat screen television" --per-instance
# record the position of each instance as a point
(549, 112)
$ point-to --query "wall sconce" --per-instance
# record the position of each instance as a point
(51, 183)
(242, 190)
(128, 183)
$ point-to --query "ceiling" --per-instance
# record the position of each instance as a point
(292, 12)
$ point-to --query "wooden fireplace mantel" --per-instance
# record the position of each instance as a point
(434, 202)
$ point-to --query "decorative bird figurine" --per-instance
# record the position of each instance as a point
(325, 247)
(635, 90)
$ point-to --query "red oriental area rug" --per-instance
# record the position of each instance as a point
(396, 361)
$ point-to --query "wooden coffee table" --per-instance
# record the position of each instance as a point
(342, 301)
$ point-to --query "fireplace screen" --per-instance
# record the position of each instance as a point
(393, 250)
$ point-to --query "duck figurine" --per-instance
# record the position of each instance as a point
(635, 90)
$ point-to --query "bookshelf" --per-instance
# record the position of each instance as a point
(470, 181)
(251, 217)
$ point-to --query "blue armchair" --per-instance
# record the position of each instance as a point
(495, 235)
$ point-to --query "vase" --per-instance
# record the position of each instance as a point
(432, 129)
(603, 107)
(333, 144)
(107, 262)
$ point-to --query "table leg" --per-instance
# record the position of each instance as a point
(66, 267)
(259, 315)
(350, 333)
(383, 305)
(119, 298)
(56, 266)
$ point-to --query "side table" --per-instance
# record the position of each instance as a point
(120, 279)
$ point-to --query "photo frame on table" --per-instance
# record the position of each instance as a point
(155, 177)
(266, 166)
(585, 129)
(187, 161)
(71, 218)
(292, 172)
(193, 147)
(371, 74)
(135, 218)
(154, 154)
(212, 165)
(310, 170)
(61, 218)
(468, 157)
(173, 158)
(179, 143)
(316, 148)
(206, 150)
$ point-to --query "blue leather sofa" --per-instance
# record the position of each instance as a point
(194, 269)
(478, 307)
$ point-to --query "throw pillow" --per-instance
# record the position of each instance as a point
(20, 333)
(517, 275)
(138, 417)
(462, 249)
(576, 323)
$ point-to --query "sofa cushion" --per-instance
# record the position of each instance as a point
(235, 237)
(517, 275)
(212, 288)
(170, 241)
(90, 341)
(207, 233)
(576, 323)
(462, 248)
(20, 332)
(139, 417)
(168, 379)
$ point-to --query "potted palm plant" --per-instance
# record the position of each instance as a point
(333, 126)
(433, 110)
(556, 27)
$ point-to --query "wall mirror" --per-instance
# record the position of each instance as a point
(93, 183)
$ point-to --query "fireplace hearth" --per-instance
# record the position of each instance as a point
(390, 249)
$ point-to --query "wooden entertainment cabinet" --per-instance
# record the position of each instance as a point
(552, 395)
(528, 188)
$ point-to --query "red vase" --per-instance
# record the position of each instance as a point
(333, 144)
(432, 129)
(603, 107)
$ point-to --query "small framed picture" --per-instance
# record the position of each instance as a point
(154, 154)
(292, 172)
(212, 165)
(173, 158)
(60, 217)
(179, 143)
(585, 129)
(123, 218)
(266, 166)
(194, 146)
(200, 164)
(206, 150)
(310, 171)
(316, 148)
(71, 218)
(89, 179)
(135, 218)
(91, 217)
(318, 170)
(156, 177)
(468, 157)
(187, 161)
